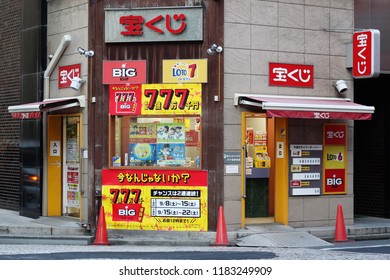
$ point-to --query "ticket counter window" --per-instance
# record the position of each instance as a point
(147, 142)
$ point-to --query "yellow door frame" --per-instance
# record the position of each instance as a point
(55, 163)
(281, 171)
(279, 168)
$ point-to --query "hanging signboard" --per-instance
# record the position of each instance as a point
(366, 54)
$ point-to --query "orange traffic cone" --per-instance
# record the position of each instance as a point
(221, 238)
(101, 237)
(340, 231)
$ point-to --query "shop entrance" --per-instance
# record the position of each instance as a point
(64, 169)
(258, 190)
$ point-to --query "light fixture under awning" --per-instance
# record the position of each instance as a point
(306, 107)
(33, 110)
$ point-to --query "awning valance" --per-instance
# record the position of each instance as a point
(306, 107)
(33, 110)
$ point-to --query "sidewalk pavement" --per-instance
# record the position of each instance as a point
(16, 229)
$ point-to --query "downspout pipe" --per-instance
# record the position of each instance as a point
(52, 64)
(46, 94)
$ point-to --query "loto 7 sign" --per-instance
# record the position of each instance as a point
(366, 54)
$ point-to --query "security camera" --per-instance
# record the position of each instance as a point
(219, 49)
(341, 86)
(214, 48)
(50, 57)
(89, 53)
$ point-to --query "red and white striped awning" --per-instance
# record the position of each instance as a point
(304, 107)
(33, 110)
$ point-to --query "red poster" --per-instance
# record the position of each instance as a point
(125, 99)
(192, 138)
(73, 177)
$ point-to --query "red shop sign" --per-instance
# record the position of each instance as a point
(291, 75)
(124, 72)
(366, 54)
(67, 73)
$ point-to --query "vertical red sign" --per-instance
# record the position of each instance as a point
(334, 158)
(366, 54)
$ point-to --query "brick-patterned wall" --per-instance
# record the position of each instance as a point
(10, 69)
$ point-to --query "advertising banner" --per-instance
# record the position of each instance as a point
(184, 71)
(335, 158)
(155, 199)
(155, 99)
(124, 71)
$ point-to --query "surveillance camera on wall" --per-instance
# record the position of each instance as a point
(341, 86)
(89, 53)
(214, 48)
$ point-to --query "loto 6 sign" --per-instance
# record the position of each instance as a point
(366, 54)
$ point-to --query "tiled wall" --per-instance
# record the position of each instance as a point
(71, 18)
(287, 31)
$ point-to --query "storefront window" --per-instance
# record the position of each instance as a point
(172, 142)
(155, 125)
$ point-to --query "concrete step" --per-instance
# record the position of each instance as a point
(46, 240)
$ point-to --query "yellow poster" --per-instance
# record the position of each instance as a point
(155, 200)
(171, 99)
(334, 157)
(185, 71)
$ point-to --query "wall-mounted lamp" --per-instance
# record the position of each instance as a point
(214, 48)
(76, 83)
(89, 53)
(341, 86)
